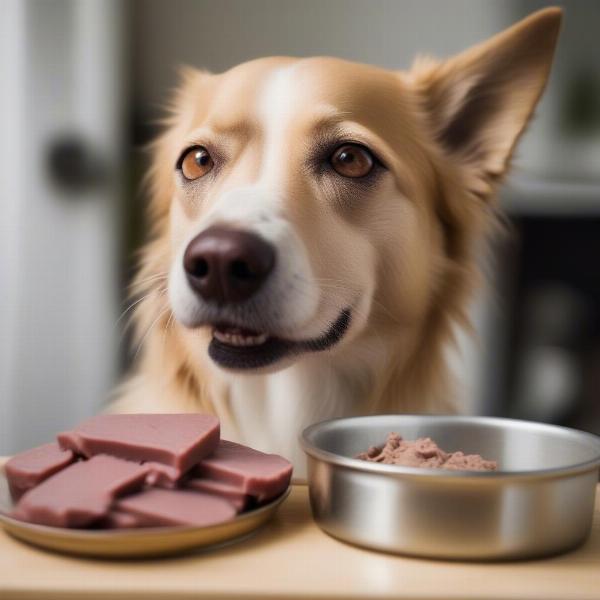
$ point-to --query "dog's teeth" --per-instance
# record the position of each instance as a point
(235, 339)
(259, 339)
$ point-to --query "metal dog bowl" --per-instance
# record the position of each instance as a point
(539, 502)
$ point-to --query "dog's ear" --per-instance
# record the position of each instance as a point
(480, 101)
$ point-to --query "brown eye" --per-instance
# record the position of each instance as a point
(352, 160)
(196, 163)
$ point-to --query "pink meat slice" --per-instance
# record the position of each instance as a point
(117, 519)
(231, 493)
(28, 469)
(81, 493)
(176, 440)
(159, 507)
(164, 476)
(250, 471)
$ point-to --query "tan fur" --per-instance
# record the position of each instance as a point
(449, 184)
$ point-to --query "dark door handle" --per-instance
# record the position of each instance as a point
(73, 165)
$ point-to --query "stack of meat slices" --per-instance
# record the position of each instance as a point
(122, 471)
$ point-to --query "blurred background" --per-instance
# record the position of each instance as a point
(83, 82)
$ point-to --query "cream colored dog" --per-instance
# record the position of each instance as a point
(314, 228)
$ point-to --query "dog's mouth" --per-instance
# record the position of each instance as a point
(234, 347)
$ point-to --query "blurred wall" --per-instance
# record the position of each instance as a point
(219, 35)
(62, 138)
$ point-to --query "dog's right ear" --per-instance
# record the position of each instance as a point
(480, 101)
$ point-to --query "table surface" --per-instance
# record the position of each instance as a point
(292, 558)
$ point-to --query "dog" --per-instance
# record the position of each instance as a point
(314, 233)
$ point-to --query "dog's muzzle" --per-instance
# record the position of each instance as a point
(231, 271)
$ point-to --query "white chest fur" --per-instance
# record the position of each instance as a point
(270, 411)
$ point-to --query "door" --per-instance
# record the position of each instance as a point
(60, 183)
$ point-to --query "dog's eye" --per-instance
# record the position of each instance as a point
(196, 163)
(352, 160)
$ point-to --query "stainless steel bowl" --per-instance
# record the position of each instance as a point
(539, 502)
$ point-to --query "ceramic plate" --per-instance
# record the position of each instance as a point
(156, 541)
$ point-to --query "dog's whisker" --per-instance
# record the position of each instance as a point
(161, 275)
(142, 282)
(164, 335)
(136, 302)
(141, 343)
(161, 292)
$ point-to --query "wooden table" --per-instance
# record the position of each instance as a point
(292, 558)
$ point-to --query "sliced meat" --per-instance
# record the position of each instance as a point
(28, 469)
(159, 507)
(164, 476)
(117, 519)
(231, 493)
(176, 440)
(250, 471)
(81, 493)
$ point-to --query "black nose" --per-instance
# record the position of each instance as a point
(227, 265)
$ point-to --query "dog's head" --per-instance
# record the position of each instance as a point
(307, 202)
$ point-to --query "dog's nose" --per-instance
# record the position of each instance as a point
(227, 265)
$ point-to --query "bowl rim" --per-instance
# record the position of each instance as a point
(311, 449)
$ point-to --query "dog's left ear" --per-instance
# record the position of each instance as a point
(480, 101)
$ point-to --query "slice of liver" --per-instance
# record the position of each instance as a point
(159, 507)
(164, 476)
(28, 469)
(176, 440)
(81, 493)
(250, 471)
(117, 519)
(231, 493)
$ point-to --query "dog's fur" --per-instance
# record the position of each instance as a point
(401, 250)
